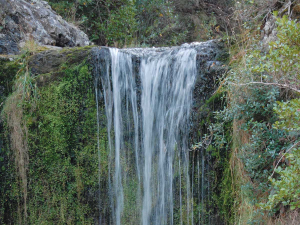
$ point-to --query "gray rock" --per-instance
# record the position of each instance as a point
(7, 45)
(269, 32)
(22, 20)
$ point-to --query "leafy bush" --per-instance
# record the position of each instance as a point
(258, 81)
(124, 22)
(121, 25)
(287, 187)
(289, 115)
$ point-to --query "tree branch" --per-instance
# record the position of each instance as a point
(294, 145)
(270, 84)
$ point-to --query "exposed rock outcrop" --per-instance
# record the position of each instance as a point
(35, 20)
(50, 61)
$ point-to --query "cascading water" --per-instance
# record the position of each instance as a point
(167, 83)
(148, 97)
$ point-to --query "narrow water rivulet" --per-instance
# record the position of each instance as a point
(148, 100)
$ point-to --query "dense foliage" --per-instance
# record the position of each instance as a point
(52, 132)
(262, 105)
(139, 22)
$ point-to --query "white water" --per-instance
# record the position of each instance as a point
(147, 123)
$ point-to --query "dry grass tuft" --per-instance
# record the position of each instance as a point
(13, 112)
(33, 47)
(244, 208)
(290, 218)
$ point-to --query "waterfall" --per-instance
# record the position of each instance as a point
(147, 105)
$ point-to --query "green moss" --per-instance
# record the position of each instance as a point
(8, 182)
(8, 71)
(215, 97)
(218, 152)
(55, 62)
(206, 111)
(62, 175)
(63, 150)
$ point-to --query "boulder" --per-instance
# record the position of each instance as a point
(35, 20)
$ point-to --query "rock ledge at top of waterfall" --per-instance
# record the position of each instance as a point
(211, 62)
(35, 20)
(213, 47)
(211, 55)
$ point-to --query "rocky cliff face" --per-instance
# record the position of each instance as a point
(35, 20)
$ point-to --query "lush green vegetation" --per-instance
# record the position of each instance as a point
(263, 107)
(140, 22)
(52, 132)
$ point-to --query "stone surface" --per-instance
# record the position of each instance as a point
(211, 62)
(35, 20)
(269, 32)
(51, 62)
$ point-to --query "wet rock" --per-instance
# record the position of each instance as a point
(211, 62)
(35, 20)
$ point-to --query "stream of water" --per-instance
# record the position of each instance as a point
(147, 105)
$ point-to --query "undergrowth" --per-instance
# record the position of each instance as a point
(262, 101)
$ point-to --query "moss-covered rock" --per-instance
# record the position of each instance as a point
(61, 137)
(49, 65)
(8, 71)
(63, 150)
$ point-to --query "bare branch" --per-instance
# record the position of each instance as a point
(270, 84)
(294, 145)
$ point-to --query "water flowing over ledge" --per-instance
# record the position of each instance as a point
(148, 95)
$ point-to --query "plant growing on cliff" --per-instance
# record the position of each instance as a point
(138, 22)
(280, 68)
(286, 186)
(259, 79)
(14, 111)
